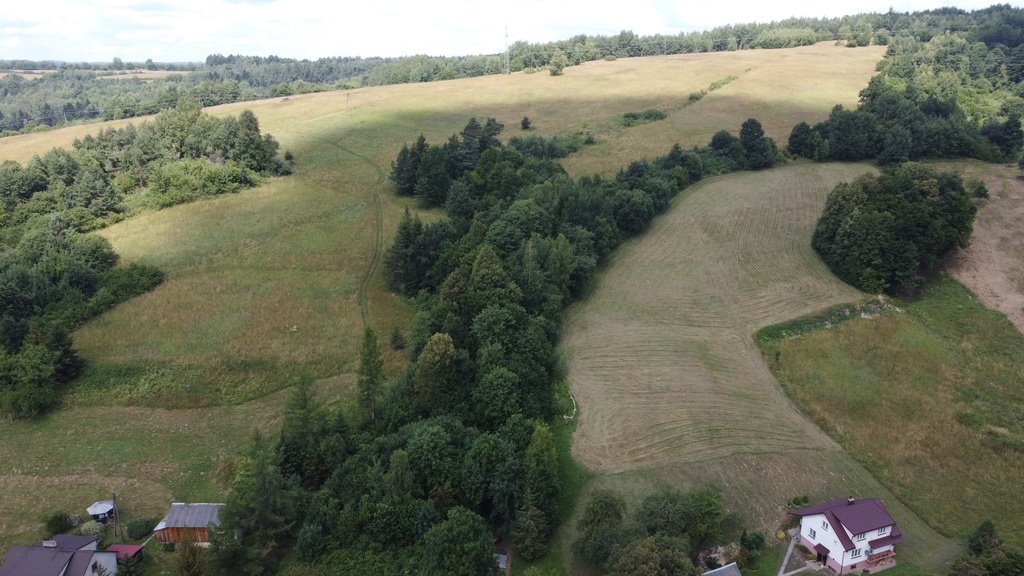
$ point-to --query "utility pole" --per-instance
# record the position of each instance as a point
(507, 71)
(117, 518)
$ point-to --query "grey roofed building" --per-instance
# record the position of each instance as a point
(71, 542)
(40, 561)
(198, 515)
(727, 570)
(35, 561)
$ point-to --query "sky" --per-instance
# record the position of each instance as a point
(189, 30)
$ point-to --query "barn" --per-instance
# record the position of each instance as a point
(192, 519)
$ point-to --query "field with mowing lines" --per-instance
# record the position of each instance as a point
(661, 358)
(283, 275)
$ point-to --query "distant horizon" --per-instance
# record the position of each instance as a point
(188, 31)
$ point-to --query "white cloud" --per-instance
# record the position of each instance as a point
(98, 30)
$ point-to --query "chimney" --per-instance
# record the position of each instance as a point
(49, 543)
(850, 501)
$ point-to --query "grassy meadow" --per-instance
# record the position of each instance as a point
(671, 386)
(928, 398)
(280, 279)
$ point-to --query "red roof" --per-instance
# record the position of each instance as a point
(124, 550)
(857, 516)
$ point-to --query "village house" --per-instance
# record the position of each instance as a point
(850, 535)
(188, 519)
(727, 570)
(62, 555)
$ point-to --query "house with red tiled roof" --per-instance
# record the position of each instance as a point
(850, 535)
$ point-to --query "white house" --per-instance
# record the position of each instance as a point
(850, 536)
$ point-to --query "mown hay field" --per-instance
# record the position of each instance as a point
(672, 388)
(928, 396)
(280, 277)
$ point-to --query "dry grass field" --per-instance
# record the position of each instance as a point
(26, 74)
(284, 275)
(993, 265)
(140, 74)
(672, 388)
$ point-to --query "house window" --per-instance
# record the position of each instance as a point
(882, 530)
(855, 553)
(824, 525)
(862, 536)
(813, 533)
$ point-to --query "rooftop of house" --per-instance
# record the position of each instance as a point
(727, 570)
(857, 516)
(72, 542)
(35, 560)
(197, 515)
(124, 550)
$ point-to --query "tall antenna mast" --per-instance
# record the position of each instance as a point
(506, 48)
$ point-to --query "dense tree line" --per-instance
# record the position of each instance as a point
(880, 233)
(946, 96)
(456, 451)
(76, 92)
(54, 276)
(663, 536)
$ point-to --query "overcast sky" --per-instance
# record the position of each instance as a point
(189, 30)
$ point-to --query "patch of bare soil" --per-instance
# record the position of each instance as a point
(993, 265)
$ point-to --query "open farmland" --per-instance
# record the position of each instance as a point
(284, 275)
(672, 388)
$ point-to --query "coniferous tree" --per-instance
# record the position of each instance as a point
(530, 530)
(190, 559)
(258, 517)
(558, 62)
(541, 480)
(370, 374)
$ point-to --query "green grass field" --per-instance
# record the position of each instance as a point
(928, 398)
(672, 388)
(280, 278)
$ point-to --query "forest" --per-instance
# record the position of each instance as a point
(82, 92)
(457, 449)
(54, 276)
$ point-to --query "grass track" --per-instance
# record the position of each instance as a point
(672, 388)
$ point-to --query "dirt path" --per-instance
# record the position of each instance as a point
(993, 265)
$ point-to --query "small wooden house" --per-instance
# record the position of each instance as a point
(191, 519)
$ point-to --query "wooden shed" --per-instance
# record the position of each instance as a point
(193, 519)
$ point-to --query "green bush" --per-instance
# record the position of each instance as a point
(140, 528)
(187, 180)
(58, 523)
(92, 528)
(649, 115)
(977, 188)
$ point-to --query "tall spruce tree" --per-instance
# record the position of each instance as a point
(370, 375)
(259, 516)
